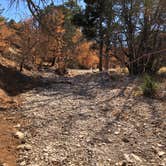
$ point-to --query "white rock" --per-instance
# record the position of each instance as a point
(24, 147)
(17, 126)
(159, 145)
(23, 163)
(127, 157)
(120, 163)
(117, 132)
(136, 158)
(161, 153)
(132, 158)
(19, 135)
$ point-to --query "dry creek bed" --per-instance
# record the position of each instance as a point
(92, 120)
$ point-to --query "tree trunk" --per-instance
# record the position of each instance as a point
(22, 65)
(101, 45)
(53, 62)
(146, 65)
(107, 60)
(101, 56)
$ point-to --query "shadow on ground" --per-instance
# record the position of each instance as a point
(13, 82)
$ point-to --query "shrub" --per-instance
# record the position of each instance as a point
(149, 86)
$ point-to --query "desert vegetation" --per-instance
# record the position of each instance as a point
(83, 82)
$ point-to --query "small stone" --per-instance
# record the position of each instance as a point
(159, 145)
(132, 158)
(17, 126)
(19, 135)
(136, 157)
(161, 153)
(23, 163)
(109, 139)
(127, 157)
(122, 163)
(78, 145)
(116, 132)
(24, 147)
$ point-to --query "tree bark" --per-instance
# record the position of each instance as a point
(101, 56)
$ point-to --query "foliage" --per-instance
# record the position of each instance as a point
(59, 43)
(132, 31)
(97, 23)
(59, 31)
(149, 86)
(133, 27)
(85, 57)
(140, 25)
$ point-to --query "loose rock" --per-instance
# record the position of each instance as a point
(161, 153)
(19, 135)
(24, 147)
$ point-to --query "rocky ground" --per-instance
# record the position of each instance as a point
(92, 119)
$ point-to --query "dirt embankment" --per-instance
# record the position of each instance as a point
(8, 143)
(8, 115)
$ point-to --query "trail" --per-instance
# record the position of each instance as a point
(91, 119)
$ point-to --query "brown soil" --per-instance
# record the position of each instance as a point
(8, 143)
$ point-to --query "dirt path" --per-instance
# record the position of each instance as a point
(93, 120)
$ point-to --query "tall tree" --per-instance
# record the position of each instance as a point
(141, 24)
(133, 26)
(97, 22)
(58, 31)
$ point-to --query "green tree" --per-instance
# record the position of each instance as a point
(97, 21)
(134, 27)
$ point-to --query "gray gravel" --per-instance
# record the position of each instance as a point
(92, 120)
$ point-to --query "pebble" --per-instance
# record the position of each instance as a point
(19, 135)
(23, 163)
(122, 163)
(17, 126)
(132, 158)
(161, 153)
(52, 108)
(24, 147)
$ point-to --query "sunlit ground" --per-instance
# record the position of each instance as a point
(162, 70)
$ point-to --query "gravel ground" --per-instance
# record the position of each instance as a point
(92, 120)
